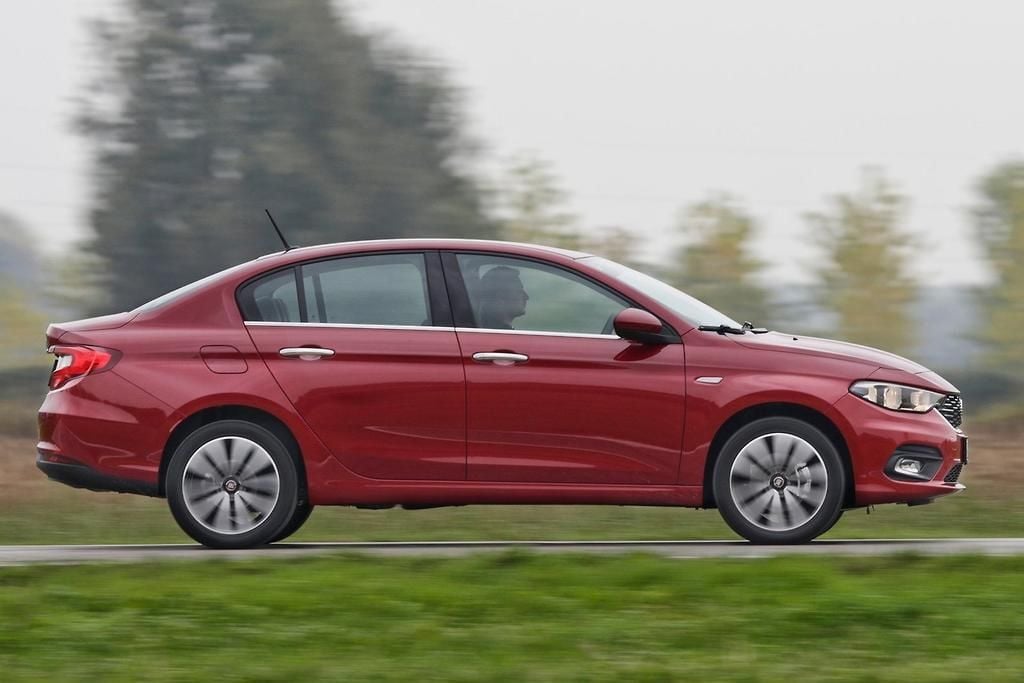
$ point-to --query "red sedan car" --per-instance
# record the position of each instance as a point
(428, 373)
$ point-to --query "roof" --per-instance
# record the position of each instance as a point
(429, 243)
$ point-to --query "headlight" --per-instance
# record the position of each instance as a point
(896, 396)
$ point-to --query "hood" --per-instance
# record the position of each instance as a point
(105, 322)
(813, 346)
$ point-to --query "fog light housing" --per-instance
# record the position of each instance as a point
(911, 462)
(909, 466)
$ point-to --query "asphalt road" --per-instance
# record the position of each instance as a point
(76, 554)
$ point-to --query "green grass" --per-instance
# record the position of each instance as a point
(518, 617)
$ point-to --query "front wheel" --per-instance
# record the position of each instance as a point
(779, 480)
(232, 484)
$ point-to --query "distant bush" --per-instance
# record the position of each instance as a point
(984, 389)
(21, 392)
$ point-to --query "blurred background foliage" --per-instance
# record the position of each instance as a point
(205, 112)
(716, 264)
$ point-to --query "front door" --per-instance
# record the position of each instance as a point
(553, 395)
(360, 348)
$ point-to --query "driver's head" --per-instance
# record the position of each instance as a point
(502, 296)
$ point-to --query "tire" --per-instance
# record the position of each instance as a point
(834, 522)
(779, 480)
(232, 484)
(302, 513)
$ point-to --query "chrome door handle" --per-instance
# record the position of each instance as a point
(306, 352)
(500, 358)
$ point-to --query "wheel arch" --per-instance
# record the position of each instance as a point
(257, 416)
(780, 409)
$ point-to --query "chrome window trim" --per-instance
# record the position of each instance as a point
(538, 333)
(349, 326)
(434, 328)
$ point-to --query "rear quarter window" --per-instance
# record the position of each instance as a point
(273, 298)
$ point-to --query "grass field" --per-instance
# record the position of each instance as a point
(517, 617)
(35, 510)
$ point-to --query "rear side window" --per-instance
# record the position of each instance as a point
(384, 289)
(380, 289)
(273, 298)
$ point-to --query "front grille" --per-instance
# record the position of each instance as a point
(952, 408)
(954, 474)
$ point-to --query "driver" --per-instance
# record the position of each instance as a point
(502, 298)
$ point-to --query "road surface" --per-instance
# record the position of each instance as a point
(75, 554)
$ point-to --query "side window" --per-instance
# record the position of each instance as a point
(518, 294)
(385, 289)
(273, 298)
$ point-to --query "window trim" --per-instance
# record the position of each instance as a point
(465, 319)
(438, 307)
(346, 326)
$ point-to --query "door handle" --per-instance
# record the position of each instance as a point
(500, 358)
(306, 352)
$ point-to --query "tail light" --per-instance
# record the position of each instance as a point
(78, 361)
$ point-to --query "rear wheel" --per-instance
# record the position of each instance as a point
(232, 484)
(302, 513)
(779, 480)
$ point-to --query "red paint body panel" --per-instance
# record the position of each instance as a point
(389, 404)
(585, 410)
(107, 424)
(407, 415)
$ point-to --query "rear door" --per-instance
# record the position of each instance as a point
(364, 348)
(553, 395)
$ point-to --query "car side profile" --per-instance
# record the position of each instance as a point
(425, 373)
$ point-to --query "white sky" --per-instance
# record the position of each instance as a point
(642, 106)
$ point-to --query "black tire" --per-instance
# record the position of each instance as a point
(302, 513)
(779, 480)
(834, 522)
(232, 484)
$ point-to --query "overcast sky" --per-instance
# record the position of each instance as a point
(642, 107)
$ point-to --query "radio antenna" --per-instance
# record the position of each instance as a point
(287, 247)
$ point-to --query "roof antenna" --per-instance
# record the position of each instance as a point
(287, 247)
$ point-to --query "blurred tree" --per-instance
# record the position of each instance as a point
(21, 323)
(531, 206)
(999, 220)
(208, 111)
(863, 276)
(616, 244)
(716, 265)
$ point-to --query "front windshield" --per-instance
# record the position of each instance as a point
(694, 310)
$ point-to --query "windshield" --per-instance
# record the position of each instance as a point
(187, 289)
(694, 310)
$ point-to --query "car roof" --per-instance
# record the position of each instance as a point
(522, 248)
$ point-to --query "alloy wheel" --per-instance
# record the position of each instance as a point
(778, 482)
(230, 485)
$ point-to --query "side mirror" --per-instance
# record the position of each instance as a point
(640, 326)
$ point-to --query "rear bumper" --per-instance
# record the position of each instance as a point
(111, 432)
(83, 477)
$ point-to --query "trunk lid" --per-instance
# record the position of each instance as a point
(55, 331)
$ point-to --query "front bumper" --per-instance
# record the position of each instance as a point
(875, 434)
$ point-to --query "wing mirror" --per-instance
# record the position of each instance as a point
(641, 326)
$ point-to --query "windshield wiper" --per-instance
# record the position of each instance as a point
(747, 325)
(722, 329)
(729, 329)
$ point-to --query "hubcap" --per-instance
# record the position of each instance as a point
(778, 482)
(230, 485)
